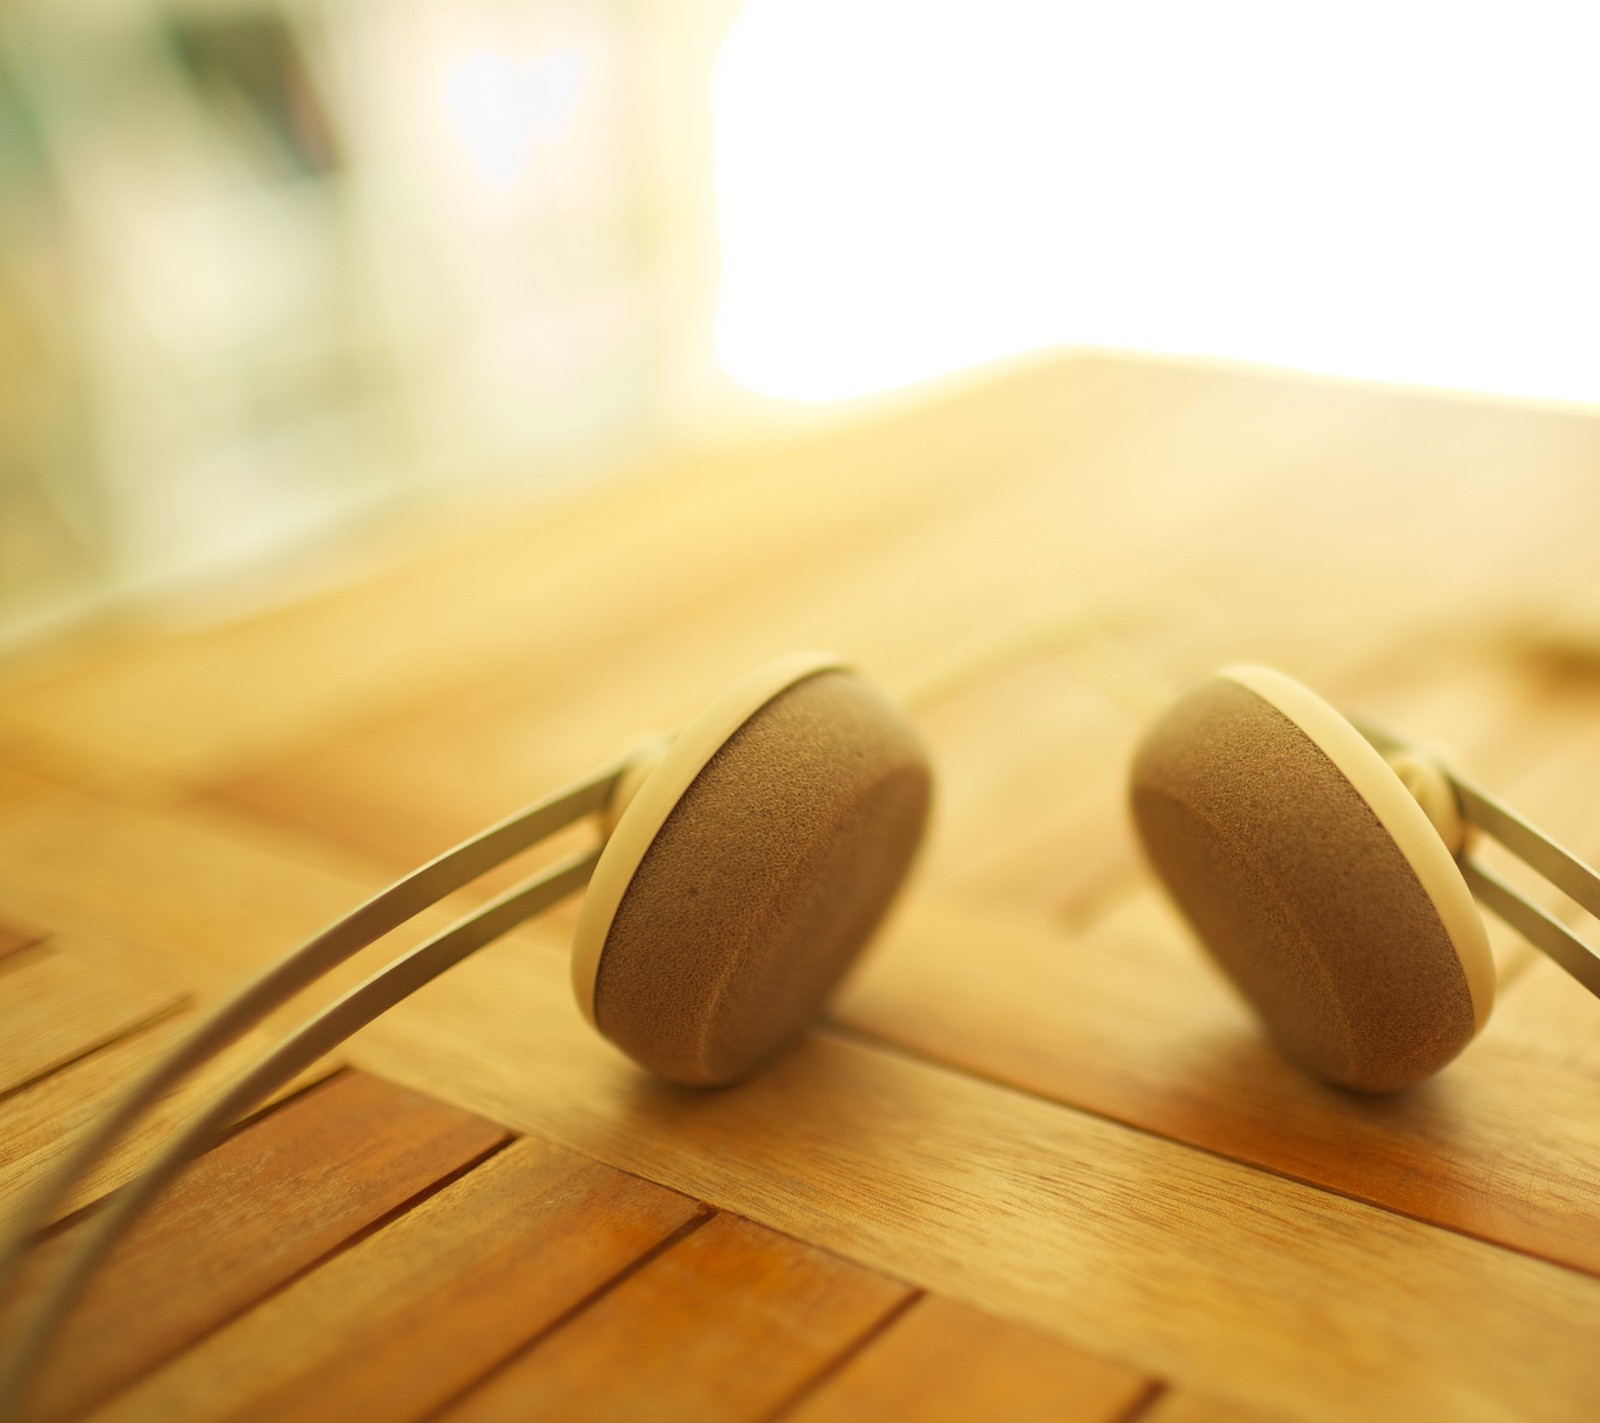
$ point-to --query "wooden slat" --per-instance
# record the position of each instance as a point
(432, 767)
(504, 1022)
(944, 1363)
(193, 897)
(726, 1325)
(1129, 1020)
(1130, 496)
(1046, 747)
(695, 535)
(251, 1214)
(1187, 1266)
(419, 777)
(40, 1121)
(1212, 515)
(1551, 1019)
(57, 1008)
(410, 1316)
(1033, 761)
(1031, 785)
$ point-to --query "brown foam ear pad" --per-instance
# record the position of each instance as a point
(764, 882)
(1298, 891)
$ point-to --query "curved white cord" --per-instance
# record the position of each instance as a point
(273, 987)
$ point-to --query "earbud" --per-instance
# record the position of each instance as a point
(748, 869)
(745, 863)
(1328, 870)
(1315, 878)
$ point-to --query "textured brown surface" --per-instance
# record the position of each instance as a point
(941, 1362)
(764, 883)
(1129, 1021)
(249, 1216)
(409, 1316)
(724, 1327)
(56, 1007)
(1298, 891)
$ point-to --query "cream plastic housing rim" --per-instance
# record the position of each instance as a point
(658, 796)
(1398, 812)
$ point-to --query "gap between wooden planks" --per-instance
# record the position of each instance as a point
(39, 1123)
(253, 1213)
(738, 1323)
(57, 1008)
(1126, 1020)
(1139, 1248)
(252, 720)
(540, 1283)
(1191, 1267)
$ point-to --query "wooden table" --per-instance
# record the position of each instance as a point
(1038, 1162)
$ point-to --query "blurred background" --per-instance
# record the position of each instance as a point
(276, 271)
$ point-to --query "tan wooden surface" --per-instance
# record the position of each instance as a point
(339, 1157)
(732, 1323)
(945, 1363)
(58, 1009)
(1038, 1154)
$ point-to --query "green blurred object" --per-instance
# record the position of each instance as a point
(250, 65)
(274, 273)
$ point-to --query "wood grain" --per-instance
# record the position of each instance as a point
(944, 1363)
(469, 605)
(469, 1050)
(1185, 1265)
(56, 1008)
(194, 897)
(728, 1324)
(402, 785)
(1007, 1116)
(1031, 788)
(415, 775)
(1131, 508)
(251, 1214)
(41, 1120)
(1552, 1020)
(1129, 1020)
(410, 1316)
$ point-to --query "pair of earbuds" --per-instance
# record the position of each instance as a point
(1323, 865)
(745, 862)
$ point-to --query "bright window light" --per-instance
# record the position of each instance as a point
(501, 107)
(1403, 190)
